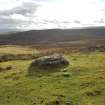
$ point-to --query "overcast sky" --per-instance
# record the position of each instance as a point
(44, 14)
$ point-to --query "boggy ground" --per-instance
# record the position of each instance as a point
(81, 83)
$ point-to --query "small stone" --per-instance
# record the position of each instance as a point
(65, 70)
(69, 103)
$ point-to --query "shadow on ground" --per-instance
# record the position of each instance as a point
(34, 70)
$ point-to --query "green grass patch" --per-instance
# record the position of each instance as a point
(81, 83)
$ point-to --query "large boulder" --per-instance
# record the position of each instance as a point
(51, 61)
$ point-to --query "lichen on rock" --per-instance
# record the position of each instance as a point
(51, 61)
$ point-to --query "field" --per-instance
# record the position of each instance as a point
(81, 83)
(12, 49)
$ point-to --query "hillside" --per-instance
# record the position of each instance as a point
(52, 35)
(81, 83)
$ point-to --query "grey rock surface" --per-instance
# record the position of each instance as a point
(51, 61)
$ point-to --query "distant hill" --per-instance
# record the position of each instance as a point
(52, 35)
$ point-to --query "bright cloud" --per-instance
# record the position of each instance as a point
(42, 14)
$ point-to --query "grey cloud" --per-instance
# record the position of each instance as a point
(57, 21)
(102, 20)
(27, 9)
(8, 23)
(9, 20)
(77, 21)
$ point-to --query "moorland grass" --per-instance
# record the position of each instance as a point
(85, 84)
(14, 49)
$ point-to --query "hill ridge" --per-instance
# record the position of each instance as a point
(52, 35)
